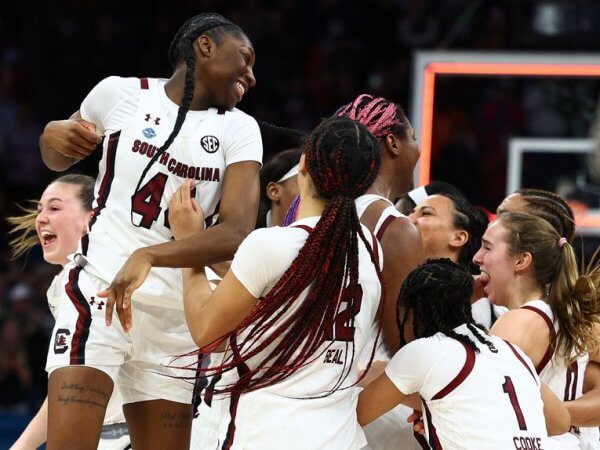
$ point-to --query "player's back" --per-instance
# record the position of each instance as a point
(485, 400)
(300, 412)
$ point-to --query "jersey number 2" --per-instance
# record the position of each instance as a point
(146, 201)
(343, 327)
(509, 388)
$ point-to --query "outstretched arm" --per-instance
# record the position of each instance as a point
(65, 142)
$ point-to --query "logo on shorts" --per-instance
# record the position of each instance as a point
(149, 132)
(60, 340)
(210, 144)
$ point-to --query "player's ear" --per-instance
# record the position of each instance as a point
(273, 192)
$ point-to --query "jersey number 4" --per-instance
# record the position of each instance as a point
(343, 326)
(146, 201)
(509, 388)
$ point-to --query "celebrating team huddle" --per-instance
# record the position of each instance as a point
(339, 323)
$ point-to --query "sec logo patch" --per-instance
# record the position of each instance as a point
(210, 144)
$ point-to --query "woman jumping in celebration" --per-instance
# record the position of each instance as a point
(157, 134)
(57, 224)
(297, 307)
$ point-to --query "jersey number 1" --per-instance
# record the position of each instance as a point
(146, 201)
(509, 388)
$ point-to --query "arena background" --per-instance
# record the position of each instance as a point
(312, 56)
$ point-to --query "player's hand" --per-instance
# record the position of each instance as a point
(416, 418)
(186, 217)
(75, 138)
(128, 279)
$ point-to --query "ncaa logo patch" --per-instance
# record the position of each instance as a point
(60, 340)
(149, 133)
(210, 144)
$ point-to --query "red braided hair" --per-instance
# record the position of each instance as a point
(380, 116)
(343, 159)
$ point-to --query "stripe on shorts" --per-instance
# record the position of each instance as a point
(84, 319)
(235, 400)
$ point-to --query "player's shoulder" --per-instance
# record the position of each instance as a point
(116, 81)
(275, 242)
(236, 118)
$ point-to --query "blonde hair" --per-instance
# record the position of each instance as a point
(573, 296)
(23, 226)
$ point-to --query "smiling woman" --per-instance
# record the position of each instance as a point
(192, 129)
(58, 222)
(554, 315)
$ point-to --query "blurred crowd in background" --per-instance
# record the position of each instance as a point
(312, 56)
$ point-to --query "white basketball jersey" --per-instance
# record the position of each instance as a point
(136, 124)
(387, 215)
(566, 381)
(284, 415)
(472, 400)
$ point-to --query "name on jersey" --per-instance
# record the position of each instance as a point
(176, 167)
(334, 356)
(527, 443)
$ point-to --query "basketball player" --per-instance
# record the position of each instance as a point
(398, 236)
(554, 209)
(57, 224)
(279, 187)
(531, 269)
(158, 133)
(477, 391)
(298, 305)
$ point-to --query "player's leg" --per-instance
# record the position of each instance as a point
(156, 385)
(77, 399)
(159, 424)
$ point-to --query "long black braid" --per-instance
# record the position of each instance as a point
(436, 296)
(181, 50)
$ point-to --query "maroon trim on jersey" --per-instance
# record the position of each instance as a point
(572, 372)
(520, 358)
(209, 392)
(235, 399)
(462, 375)
(375, 248)
(105, 184)
(434, 441)
(421, 440)
(84, 320)
(384, 225)
(304, 227)
(550, 350)
(144, 83)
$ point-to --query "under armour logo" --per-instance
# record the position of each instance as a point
(156, 120)
(98, 304)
